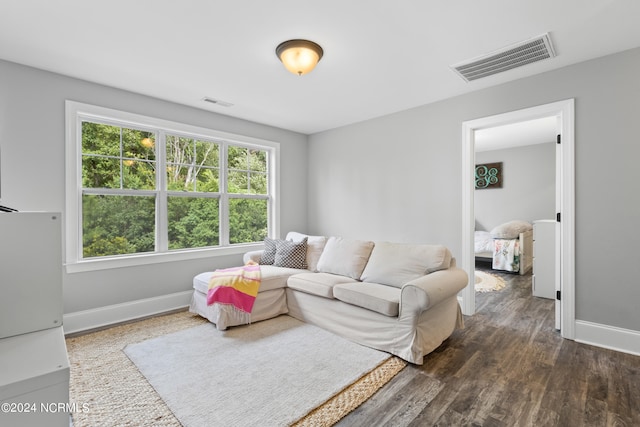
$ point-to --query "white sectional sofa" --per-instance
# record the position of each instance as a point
(395, 297)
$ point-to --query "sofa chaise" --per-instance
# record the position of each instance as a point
(395, 297)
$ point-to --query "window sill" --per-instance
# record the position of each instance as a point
(157, 258)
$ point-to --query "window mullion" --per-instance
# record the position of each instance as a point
(224, 196)
(162, 203)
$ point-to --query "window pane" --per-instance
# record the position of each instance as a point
(138, 175)
(258, 160)
(258, 183)
(192, 165)
(177, 177)
(138, 144)
(193, 222)
(207, 154)
(100, 172)
(179, 150)
(208, 180)
(100, 139)
(238, 182)
(246, 171)
(237, 157)
(117, 157)
(116, 225)
(247, 220)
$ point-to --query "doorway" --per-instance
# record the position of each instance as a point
(565, 203)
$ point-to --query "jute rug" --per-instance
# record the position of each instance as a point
(487, 282)
(115, 393)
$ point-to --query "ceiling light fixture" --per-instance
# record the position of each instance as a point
(299, 56)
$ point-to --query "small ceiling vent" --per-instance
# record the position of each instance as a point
(217, 102)
(514, 56)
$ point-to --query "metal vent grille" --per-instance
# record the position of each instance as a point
(217, 102)
(514, 56)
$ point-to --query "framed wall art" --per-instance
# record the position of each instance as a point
(488, 175)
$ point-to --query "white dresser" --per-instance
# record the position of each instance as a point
(34, 366)
(544, 258)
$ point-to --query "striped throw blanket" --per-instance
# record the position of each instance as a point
(236, 288)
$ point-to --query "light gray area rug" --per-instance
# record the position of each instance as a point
(270, 373)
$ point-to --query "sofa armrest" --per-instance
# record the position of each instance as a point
(252, 256)
(427, 291)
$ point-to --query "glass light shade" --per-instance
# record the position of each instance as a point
(299, 56)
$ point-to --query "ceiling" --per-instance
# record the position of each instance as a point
(530, 132)
(380, 56)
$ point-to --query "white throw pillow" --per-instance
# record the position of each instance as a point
(315, 245)
(511, 229)
(395, 264)
(345, 257)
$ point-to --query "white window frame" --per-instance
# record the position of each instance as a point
(76, 112)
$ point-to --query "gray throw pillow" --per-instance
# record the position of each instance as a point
(268, 256)
(291, 254)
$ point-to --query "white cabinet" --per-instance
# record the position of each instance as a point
(34, 367)
(30, 272)
(544, 258)
(34, 379)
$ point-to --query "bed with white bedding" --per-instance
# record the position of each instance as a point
(509, 247)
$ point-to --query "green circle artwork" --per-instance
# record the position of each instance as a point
(488, 175)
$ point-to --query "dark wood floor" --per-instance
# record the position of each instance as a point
(509, 367)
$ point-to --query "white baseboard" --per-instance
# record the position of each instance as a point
(104, 316)
(618, 339)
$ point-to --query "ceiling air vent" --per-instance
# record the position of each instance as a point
(217, 102)
(514, 56)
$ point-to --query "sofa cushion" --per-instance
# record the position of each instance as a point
(395, 264)
(345, 257)
(315, 245)
(271, 278)
(291, 254)
(372, 296)
(320, 284)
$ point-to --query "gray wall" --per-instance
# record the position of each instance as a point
(528, 190)
(32, 141)
(398, 177)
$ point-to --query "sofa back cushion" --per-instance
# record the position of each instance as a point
(345, 257)
(395, 264)
(315, 245)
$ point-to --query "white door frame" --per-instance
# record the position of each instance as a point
(564, 110)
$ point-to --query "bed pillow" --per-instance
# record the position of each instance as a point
(511, 229)
(345, 257)
(291, 254)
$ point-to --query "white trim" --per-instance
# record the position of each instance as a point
(565, 111)
(104, 316)
(95, 264)
(468, 294)
(610, 337)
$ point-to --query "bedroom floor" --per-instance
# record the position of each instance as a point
(509, 367)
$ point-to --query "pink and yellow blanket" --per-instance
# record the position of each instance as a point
(235, 287)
